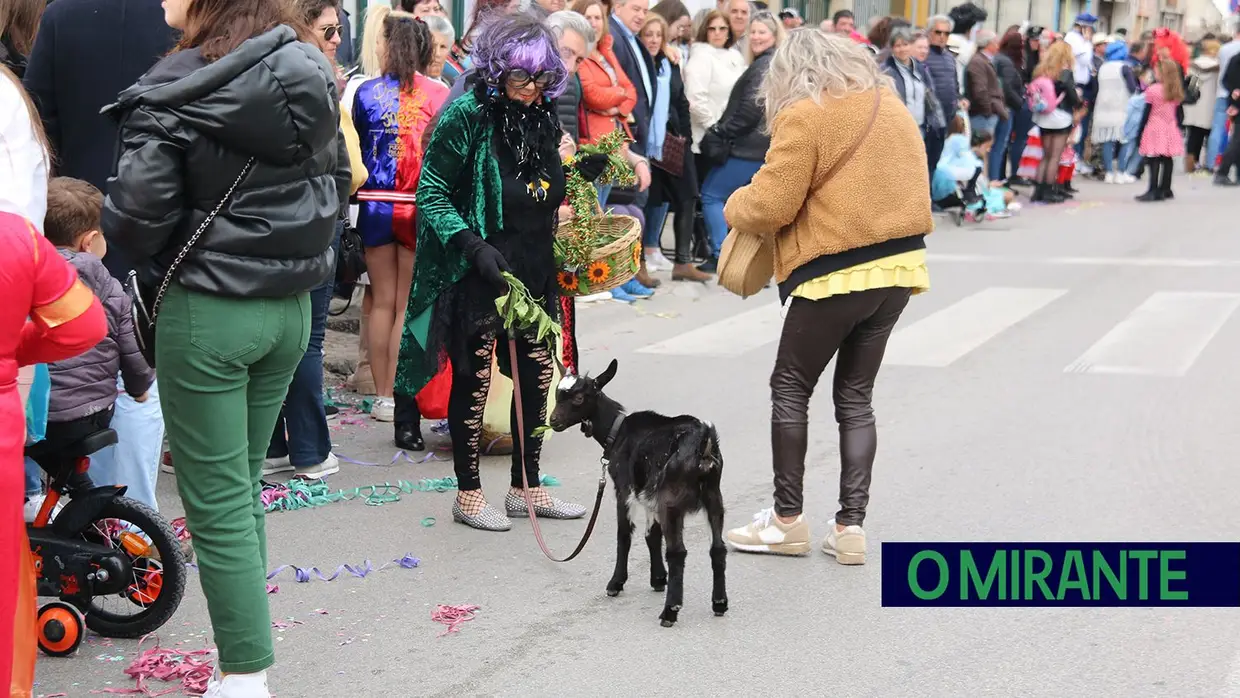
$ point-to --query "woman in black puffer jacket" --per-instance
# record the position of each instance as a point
(242, 118)
(739, 133)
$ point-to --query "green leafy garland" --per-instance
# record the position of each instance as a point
(575, 252)
(521, 312)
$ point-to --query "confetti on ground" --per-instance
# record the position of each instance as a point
(453, 616)
(191, 668)
(428, 521)
(299, 494)
(273, 588)
(304, 575)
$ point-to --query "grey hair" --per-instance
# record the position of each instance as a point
(900, 33)
(811, 63)
(441, 25)
(941, 19)
(569, 21)
(985, 37)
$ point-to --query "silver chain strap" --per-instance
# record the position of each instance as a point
(172, 269)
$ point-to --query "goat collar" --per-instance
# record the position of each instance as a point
(611, 433)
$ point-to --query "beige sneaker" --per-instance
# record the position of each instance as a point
(765, 534)
(847, 546)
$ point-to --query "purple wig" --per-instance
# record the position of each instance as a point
(517, 41)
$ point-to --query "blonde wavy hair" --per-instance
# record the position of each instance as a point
(810, 64)
(1058, 58)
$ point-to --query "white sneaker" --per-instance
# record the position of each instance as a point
(595, 297)
(1084, 168)
(330, 466)
(1128, 179)
(765, 534)
(847, 546)
(31, 509)
(383, 410)
(1111, 178)
(656, 261)
(272, 466)
(238, 686)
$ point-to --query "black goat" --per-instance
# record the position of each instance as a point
(670, 466)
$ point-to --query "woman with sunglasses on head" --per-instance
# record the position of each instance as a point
(491, 184)
(391, 113)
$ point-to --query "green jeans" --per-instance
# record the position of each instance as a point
(224, 367)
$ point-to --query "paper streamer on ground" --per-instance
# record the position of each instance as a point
(301, 494)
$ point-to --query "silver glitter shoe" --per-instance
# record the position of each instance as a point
(515, 504)
(489, 519)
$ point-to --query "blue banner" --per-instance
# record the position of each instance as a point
(1200, 575)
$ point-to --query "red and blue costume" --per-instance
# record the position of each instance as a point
(390, 123)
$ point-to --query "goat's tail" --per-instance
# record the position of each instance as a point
(710, 458)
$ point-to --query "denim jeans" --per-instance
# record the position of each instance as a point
(134, 460)
(1110, 161)
(719, 185)
(1132, 165)
(1022, 122)
(1085, 124)
(301, 429)
(656, 216)
(983, 123)
(1215, 145)
(1003, 131)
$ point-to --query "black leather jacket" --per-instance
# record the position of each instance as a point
(741, 122)
(187, 129)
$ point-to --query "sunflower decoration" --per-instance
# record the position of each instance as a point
(598, 272)
(637, 256)
(567, 280)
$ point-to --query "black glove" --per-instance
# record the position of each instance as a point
(591, 166)
(490, 264)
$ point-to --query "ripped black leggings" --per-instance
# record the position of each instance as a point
(471, 381)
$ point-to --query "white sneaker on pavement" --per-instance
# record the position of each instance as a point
(330, 466)
(238, 686)
(273, 466)
(847, 546)
(765, 534)
(1111, 178)
(384, 409)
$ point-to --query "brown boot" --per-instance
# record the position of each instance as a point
(644, 278)
(688, 272)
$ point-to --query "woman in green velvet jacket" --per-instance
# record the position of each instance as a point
(490, 187)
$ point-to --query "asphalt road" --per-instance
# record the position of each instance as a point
(1070, 377)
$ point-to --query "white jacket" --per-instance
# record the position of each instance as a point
(709, 76)
(23, 160)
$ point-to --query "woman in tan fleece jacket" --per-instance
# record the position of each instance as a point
(848, 239)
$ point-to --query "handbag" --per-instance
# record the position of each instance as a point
(673, 161)
(144, 315)
(350, 259)
(747, 261)
(714, 147)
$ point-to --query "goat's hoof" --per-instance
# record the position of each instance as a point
(658, 583)
(667, 623)
(669, 616)
(720, 606)
(614, 589)
(613, 592)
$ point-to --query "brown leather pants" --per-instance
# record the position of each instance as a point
(856, 326)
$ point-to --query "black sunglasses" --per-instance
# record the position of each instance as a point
(330, 31)
(519, 79)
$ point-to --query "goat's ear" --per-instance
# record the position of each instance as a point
(605, 377)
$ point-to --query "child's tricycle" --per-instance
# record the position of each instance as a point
(114, 564)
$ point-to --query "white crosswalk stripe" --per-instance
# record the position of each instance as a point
(1162, 337)
(730, 337)
(945, 336)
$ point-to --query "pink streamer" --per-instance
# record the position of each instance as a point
(167, 665)
(453, 616)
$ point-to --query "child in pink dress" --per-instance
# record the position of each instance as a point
(1161, 140)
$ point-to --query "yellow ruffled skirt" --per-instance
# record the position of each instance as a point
(905, 270)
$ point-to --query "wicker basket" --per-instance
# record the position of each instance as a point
(612, 264)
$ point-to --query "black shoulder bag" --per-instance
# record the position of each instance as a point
(144, 315)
